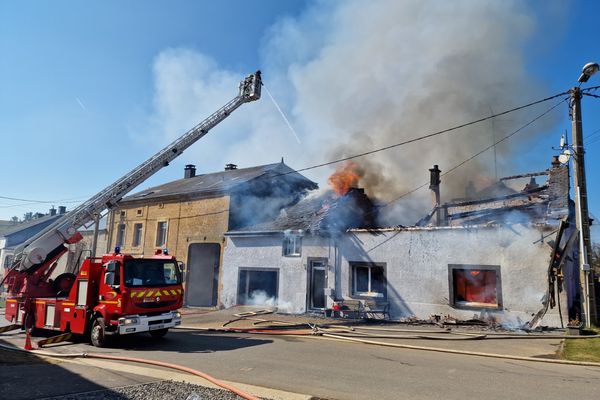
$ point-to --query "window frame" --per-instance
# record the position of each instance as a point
(164, 242)
(255, 269)
(369, 294)
(8, 259)
(121, 233)
(297, 245)
(137, 243)
(473, 305)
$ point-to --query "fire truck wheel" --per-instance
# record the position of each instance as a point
(98, 333)
(159, 333)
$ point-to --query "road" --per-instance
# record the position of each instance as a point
(338, 370)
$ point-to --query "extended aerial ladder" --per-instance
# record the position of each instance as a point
(36, 255)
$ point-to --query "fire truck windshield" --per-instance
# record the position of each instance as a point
(139, 272)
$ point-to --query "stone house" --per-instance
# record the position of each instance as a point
(501, 258)
(190, 216)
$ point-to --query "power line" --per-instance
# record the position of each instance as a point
(454, 128)
(479, 153)
(437, 133)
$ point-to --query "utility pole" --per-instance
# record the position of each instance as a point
(581, 212)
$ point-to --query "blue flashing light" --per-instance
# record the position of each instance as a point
(117, 249)
(166, 251)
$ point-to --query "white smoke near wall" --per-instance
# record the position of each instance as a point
(261, 298)
(356, 75)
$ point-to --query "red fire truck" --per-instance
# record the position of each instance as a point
(115, 294)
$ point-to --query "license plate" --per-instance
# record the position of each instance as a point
(154, 327)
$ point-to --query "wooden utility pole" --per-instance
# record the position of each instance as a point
(581, 212)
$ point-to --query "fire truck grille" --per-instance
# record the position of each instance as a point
(160, 321)
(157, 304)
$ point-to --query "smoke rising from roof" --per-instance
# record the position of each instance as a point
(356, 75)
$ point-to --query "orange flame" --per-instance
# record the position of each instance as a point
(346, 177)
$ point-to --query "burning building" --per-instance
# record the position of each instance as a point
(501, 255)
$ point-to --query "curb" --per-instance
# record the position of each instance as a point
(273, 394)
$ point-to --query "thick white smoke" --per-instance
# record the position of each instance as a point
(358, 75)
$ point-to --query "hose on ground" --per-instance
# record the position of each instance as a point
(463, 352)
(192, 371)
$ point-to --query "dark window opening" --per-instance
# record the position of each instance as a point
(368, 279)
(258, 287)
(475, 286)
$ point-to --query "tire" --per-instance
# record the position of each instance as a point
(159, 333)
(98, 333)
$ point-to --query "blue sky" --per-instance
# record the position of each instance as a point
(85, 90)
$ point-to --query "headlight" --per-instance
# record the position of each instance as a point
(176, 314)
(129, 321)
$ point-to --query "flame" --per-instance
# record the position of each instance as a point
(346, 177)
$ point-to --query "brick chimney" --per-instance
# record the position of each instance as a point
(53, 211)
(62, 210)
(189, 171)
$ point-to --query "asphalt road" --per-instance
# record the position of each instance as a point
(337, 370)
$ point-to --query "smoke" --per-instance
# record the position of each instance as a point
(260, 298)
(356, 75)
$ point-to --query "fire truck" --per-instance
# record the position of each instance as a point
(115, 294)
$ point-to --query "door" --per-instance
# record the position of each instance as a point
(317, 284)
(202, 280)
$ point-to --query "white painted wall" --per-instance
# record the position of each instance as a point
(416, 261)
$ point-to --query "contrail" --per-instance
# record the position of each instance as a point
(81, 104)
(282, 114)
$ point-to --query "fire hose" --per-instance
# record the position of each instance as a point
(192, 371)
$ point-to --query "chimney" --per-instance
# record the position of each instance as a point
(53, 211)
(230, 167)
(189, 171)
(62, 210)
(434, 185)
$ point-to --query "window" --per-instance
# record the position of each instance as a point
(368, 279)
(475, 286)
(120, 235)
(137, 235)
(8, 261)
(139, 212)
(292, 245)
(122, 214)
(161, 233)
(258, 286)
(151, 272)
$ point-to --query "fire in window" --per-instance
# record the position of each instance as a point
(368, 279)
(475, 286)
(292, 244)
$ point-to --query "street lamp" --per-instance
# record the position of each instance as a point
(581, 203)
(589, 69)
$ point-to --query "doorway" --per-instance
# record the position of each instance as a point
(202, 282)
(317, 282)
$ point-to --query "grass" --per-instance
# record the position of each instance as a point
(582, 349)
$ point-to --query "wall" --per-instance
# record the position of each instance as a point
(266, 252)
(195, 221)
(416, 261)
